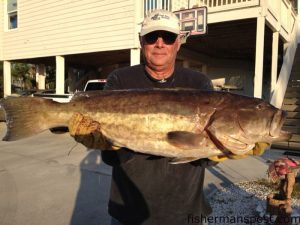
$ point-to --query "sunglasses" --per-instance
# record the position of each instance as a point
(168, 37)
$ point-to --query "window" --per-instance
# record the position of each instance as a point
(12, 14)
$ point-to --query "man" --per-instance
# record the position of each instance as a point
(148, 189)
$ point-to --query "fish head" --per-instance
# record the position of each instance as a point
(262, 122)
(240, 125)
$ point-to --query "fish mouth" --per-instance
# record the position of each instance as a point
(276, 125)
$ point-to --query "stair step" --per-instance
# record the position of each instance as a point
(295, 138)
(293, 115)
(292, 129)
(291, 101)
(293, 88)
(292, 122)
(295, 75)
(291, 108)
(297, 60)
(296, 65)
(287, 145)
(291, 104)
(294, 80)
(293, 84)
(292, 94)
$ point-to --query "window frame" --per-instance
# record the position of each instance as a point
(9, 16)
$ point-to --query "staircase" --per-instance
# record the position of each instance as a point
(291, 104)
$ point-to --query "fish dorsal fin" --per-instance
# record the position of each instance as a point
(185, 140)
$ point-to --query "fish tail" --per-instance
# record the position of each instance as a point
(26, 116)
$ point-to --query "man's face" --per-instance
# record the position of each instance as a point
(160, 49)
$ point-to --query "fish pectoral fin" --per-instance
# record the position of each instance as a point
(182, 160)
(218, 158)
(235, 146)
(115, 148)
(185, 140)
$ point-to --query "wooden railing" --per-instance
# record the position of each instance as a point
(279, 8)
(283, 12)
(213, 5)
(286, 68)
(217, 5)
(150, 5)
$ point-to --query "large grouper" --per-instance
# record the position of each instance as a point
(183, 124)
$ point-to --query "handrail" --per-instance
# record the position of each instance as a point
(286, 68)
(218, 6)
(213, 5)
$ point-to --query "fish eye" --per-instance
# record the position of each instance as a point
(259, 106)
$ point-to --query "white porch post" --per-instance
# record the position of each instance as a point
(135, 52)
(7, 78)
(274, 60)
(259, 56)
(298, 9)
(135, 56)
(60, 75)
(41, 76)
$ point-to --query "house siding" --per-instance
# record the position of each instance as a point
(48, 27)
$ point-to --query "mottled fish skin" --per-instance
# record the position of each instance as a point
(184, 124)
(2, 115)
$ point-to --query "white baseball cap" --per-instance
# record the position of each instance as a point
(160, 20)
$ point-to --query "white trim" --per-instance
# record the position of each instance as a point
(274, 66)
(139, 16)
(259, 56)
(233, 15)
(41, 76)
(284, 75)
(6, 17)
(60, 75)
(135, 56)
(298, 23)
(7, 78)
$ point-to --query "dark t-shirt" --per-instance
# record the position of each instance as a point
(148, 189)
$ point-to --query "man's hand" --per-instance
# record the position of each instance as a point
(258, 149)
(88, 132)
